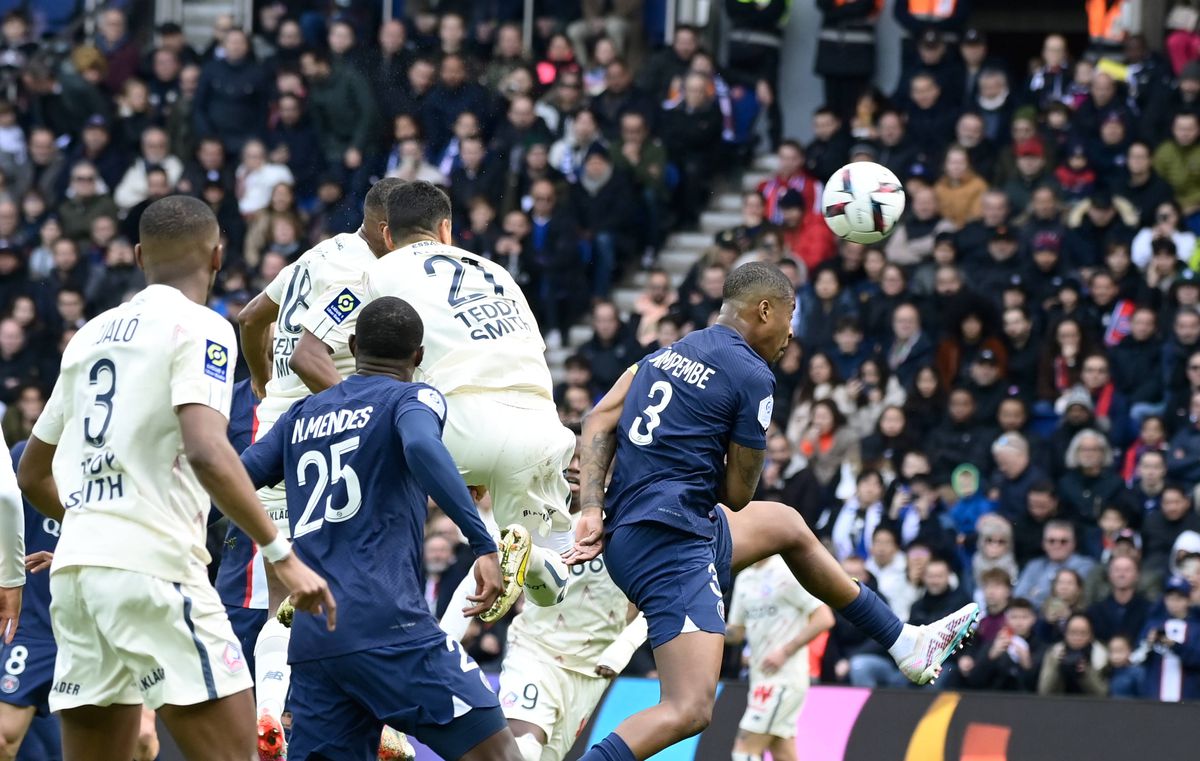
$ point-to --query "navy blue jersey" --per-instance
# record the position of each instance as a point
(239, 583)
(41, 533)
(686, 403)
(357, 512)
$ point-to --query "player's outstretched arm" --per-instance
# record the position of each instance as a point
(597, 447)
(434, 469)
(311, 360)
(743, 466)
(255, 319)
(220, 472)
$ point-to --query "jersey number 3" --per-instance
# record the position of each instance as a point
(328, 473)
(662, 390)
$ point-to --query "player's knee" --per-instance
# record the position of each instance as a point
(529, 747)
(691, 715)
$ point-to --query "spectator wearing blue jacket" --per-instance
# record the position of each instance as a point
(1171, 647)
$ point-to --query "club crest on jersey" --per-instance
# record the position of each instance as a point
(9, 684)
(234, 662)
(509, 700)
(342, 306)
(216, 361)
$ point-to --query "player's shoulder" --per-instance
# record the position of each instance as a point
(417, 393)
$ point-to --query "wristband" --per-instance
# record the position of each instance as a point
(278, 549)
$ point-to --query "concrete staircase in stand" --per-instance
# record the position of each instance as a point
(677, 256)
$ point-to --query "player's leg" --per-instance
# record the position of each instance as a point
(272, 674)
(14, 724)
(532, 699)
(328, 723)
(531, 490)
(675, 579)
(99, 706)
(762, 529)
(214, 730)
(147, 740)
(750, 746)
(783, 748)
(582, 695)
(176, 642)
(101, 733)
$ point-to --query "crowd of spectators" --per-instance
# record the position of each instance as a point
(1000, 401)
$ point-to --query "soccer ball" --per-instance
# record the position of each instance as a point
(862, 202)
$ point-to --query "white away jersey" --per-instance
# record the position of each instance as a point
(773, 607)
(479, 330)
(132, 499)
(575, 632)
(340, 260)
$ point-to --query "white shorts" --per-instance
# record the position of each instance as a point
(513, 443)
(772, 708)
(274, 498)
(128, 638)
(555, 699)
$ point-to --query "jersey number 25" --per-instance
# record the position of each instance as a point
(328, 474)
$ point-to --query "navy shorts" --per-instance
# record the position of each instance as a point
(675, 578)
(27, 672)
(435, 693)
(246, 623)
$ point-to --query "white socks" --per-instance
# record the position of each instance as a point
(546, 577)
(905, 643)
(453, 621)
(272, 674)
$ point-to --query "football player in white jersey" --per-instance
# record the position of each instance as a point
(778, 618)
(484, 352)
(559, 660)
(338, 261)
(130, 447)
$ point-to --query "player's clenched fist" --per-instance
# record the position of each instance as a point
(489, 584)
(309, 591)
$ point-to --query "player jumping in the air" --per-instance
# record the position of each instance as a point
(778, 618)
(361, 457)
(687, 425)
(483, 351)
(132, 438)
(283, 305)
(559, 660)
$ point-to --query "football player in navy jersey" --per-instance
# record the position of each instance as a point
(241, 578)
(360, 458)
(687, 426)
(27, 663)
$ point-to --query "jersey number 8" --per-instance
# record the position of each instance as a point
(328, 474)
(663, 390)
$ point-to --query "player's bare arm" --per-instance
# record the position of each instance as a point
(597, 448)
(35, 477)
(222, 475)
(12, 552)
(312, 361)
(743, 467)
(255, 320)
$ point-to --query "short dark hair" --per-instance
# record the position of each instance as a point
(996, 576)
(416, 208)
(377, 197)
(755, 280)
(389, 328)
(1043, 486)
(174, 219)
(1021, 603)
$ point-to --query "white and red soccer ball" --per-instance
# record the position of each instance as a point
(862, 202)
